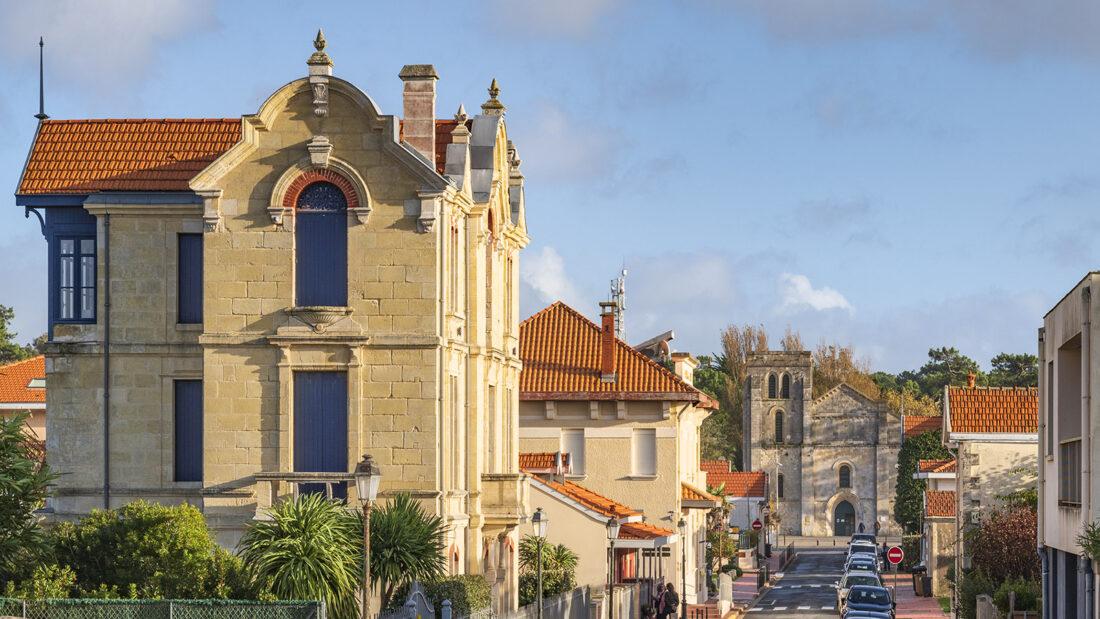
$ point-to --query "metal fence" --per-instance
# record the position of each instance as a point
(158, 609)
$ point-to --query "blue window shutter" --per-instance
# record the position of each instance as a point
(321, 425)
(321, 246)
(188, 430)
(189, 281)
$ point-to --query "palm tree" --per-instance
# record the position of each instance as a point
(311, 549)
(406, 544)
(559, 565)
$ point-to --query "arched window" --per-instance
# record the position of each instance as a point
(771, 386)
(845, 476)
(321, 246)
(785, 386)
(779, 426)
(779, 486)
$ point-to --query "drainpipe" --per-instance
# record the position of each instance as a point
(1044, 554)
(1085, 569)
(107, 360)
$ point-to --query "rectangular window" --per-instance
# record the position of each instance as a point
(76, 279)
(572, 443)
(643, 448)
(188, 430)
(1069, 473)
(189, 279)
(1049, 386)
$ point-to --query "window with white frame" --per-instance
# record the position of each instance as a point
(572, 443)
(643, 448)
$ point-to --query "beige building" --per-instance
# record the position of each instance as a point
(937, 551)
(23, 390)
(629, 425)
(1069, 420)
(289, 290)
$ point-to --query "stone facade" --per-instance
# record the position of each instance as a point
(817, 439)
(428, 338)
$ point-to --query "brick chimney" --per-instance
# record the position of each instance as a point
(971, 380)
(607, 342)
(418, 129)
(683, 365)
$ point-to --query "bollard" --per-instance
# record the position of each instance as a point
(410, 609)
(445, 612)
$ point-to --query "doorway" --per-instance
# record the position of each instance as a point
(844, 519)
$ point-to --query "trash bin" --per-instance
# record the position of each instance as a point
(767, 550)
(926, 581)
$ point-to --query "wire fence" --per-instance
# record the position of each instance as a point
(158, 609)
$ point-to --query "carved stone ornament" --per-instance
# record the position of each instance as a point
(429, 213)
(211, 210)
(277, 214)
(320, 95)
(320, 148)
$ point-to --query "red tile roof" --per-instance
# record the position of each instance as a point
(939, 503)
(691, 493)
(560, 350)
(1013, 410)
(915, 424)
(15, 377)
(592, 500)
(715, 466)
(936, 466)
(85, 156)
(738, 483)
(641, 530)
(542, 461)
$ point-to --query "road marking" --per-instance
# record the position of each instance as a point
(795, 586)
(815, 586)
(803, 608)
(780, 608)
(828, 608)
(755, 609)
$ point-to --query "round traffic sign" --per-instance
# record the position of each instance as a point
(895, 555)
(757, 525)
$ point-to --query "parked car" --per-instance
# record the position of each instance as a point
(852, 579)
(869, 599)
(863, 537)
(865, 614)
(861, 564)
(862, 546)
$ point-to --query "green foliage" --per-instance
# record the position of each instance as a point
(1012, 370)
(1027, 497)
(406, 544)
(1029, 594)
(910, 544)
(9, 350)
(163, 552)
(229, 578)
(945, 366)
(46, 582)
(24, 484)
(718, 431)
(909, 501)
(559, 566)
(1003, 545)
(468, 594)
(311, 549)
(974, 583)
(1089, 540)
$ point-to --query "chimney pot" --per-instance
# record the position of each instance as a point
(607, 342)
(418, 97)
(971, 380)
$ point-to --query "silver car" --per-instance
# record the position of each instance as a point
(850, 580)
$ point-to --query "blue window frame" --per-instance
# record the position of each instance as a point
(189, 279)
(76, 273)
(321, 426)
(188, 430)
(321, 246)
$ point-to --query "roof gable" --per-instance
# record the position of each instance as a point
(995, 410)
(843, 390)
(560, 350)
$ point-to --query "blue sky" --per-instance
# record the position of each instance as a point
(888, 174)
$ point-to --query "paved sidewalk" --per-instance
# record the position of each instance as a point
(744, 590)
(909, 605)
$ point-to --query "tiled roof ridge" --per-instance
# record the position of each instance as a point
(589, 498)
(17, 375)
(74, 121)
(936, 465)
(991, 388)
(623, 346)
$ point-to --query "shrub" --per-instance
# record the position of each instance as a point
(47, 581)
(468, 594)
(559, 566)
(24, 483)
(974, 583)
(909, 500)
(1004, 545)
(1029, 594)
(406, 545)
(150, 549)
(911, 545)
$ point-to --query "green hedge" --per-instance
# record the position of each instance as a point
(1029, 595)
(468, 594)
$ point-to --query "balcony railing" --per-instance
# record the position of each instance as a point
(274, 485)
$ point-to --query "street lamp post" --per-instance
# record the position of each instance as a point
(541, 522)
(612, 535)
(367, 477)
(683, 525)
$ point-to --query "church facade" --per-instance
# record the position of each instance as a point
(832, 459)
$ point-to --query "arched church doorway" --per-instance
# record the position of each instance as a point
(844, 519)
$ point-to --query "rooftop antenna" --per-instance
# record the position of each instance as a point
(618, 297)
(41, 115)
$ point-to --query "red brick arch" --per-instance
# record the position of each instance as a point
(307, 178)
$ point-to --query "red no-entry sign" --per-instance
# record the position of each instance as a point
(895, 555)
(757, 525)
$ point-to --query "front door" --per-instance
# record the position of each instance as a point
(844, 518)
(321, 426)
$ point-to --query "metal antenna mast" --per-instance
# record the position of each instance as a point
(41, 115)
(618, 297)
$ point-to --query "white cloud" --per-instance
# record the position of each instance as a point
(564, 148)
(103, 46)
(797, 293)
(544, 273)
(554, 17)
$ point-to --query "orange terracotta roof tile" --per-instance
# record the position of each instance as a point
(738, 483)
(592, 500)
(542, 461)
(15, 378)
(560, 350)
(642, 530)
(691, 493)
(939, 503)
(936, 466)
(1013, 410)
(715, 466)
(915, 424)
(155, 154)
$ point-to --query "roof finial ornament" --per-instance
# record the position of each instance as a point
(460, 115)
(493, 106)
(41, 115)
(319, 42)
(319, 62)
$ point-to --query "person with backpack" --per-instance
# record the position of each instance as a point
(669, 604)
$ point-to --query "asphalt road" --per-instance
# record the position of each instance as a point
(806, 588)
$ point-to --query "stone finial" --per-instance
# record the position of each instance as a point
(319, 62)
(460, 115)
(461, 133)
(493, 105)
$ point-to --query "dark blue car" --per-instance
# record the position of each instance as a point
(864, 598)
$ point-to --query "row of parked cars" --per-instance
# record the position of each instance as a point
(861, 592)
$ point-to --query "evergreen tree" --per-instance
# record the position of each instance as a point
(909, 501)
(1012, 370)
(9, 350)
